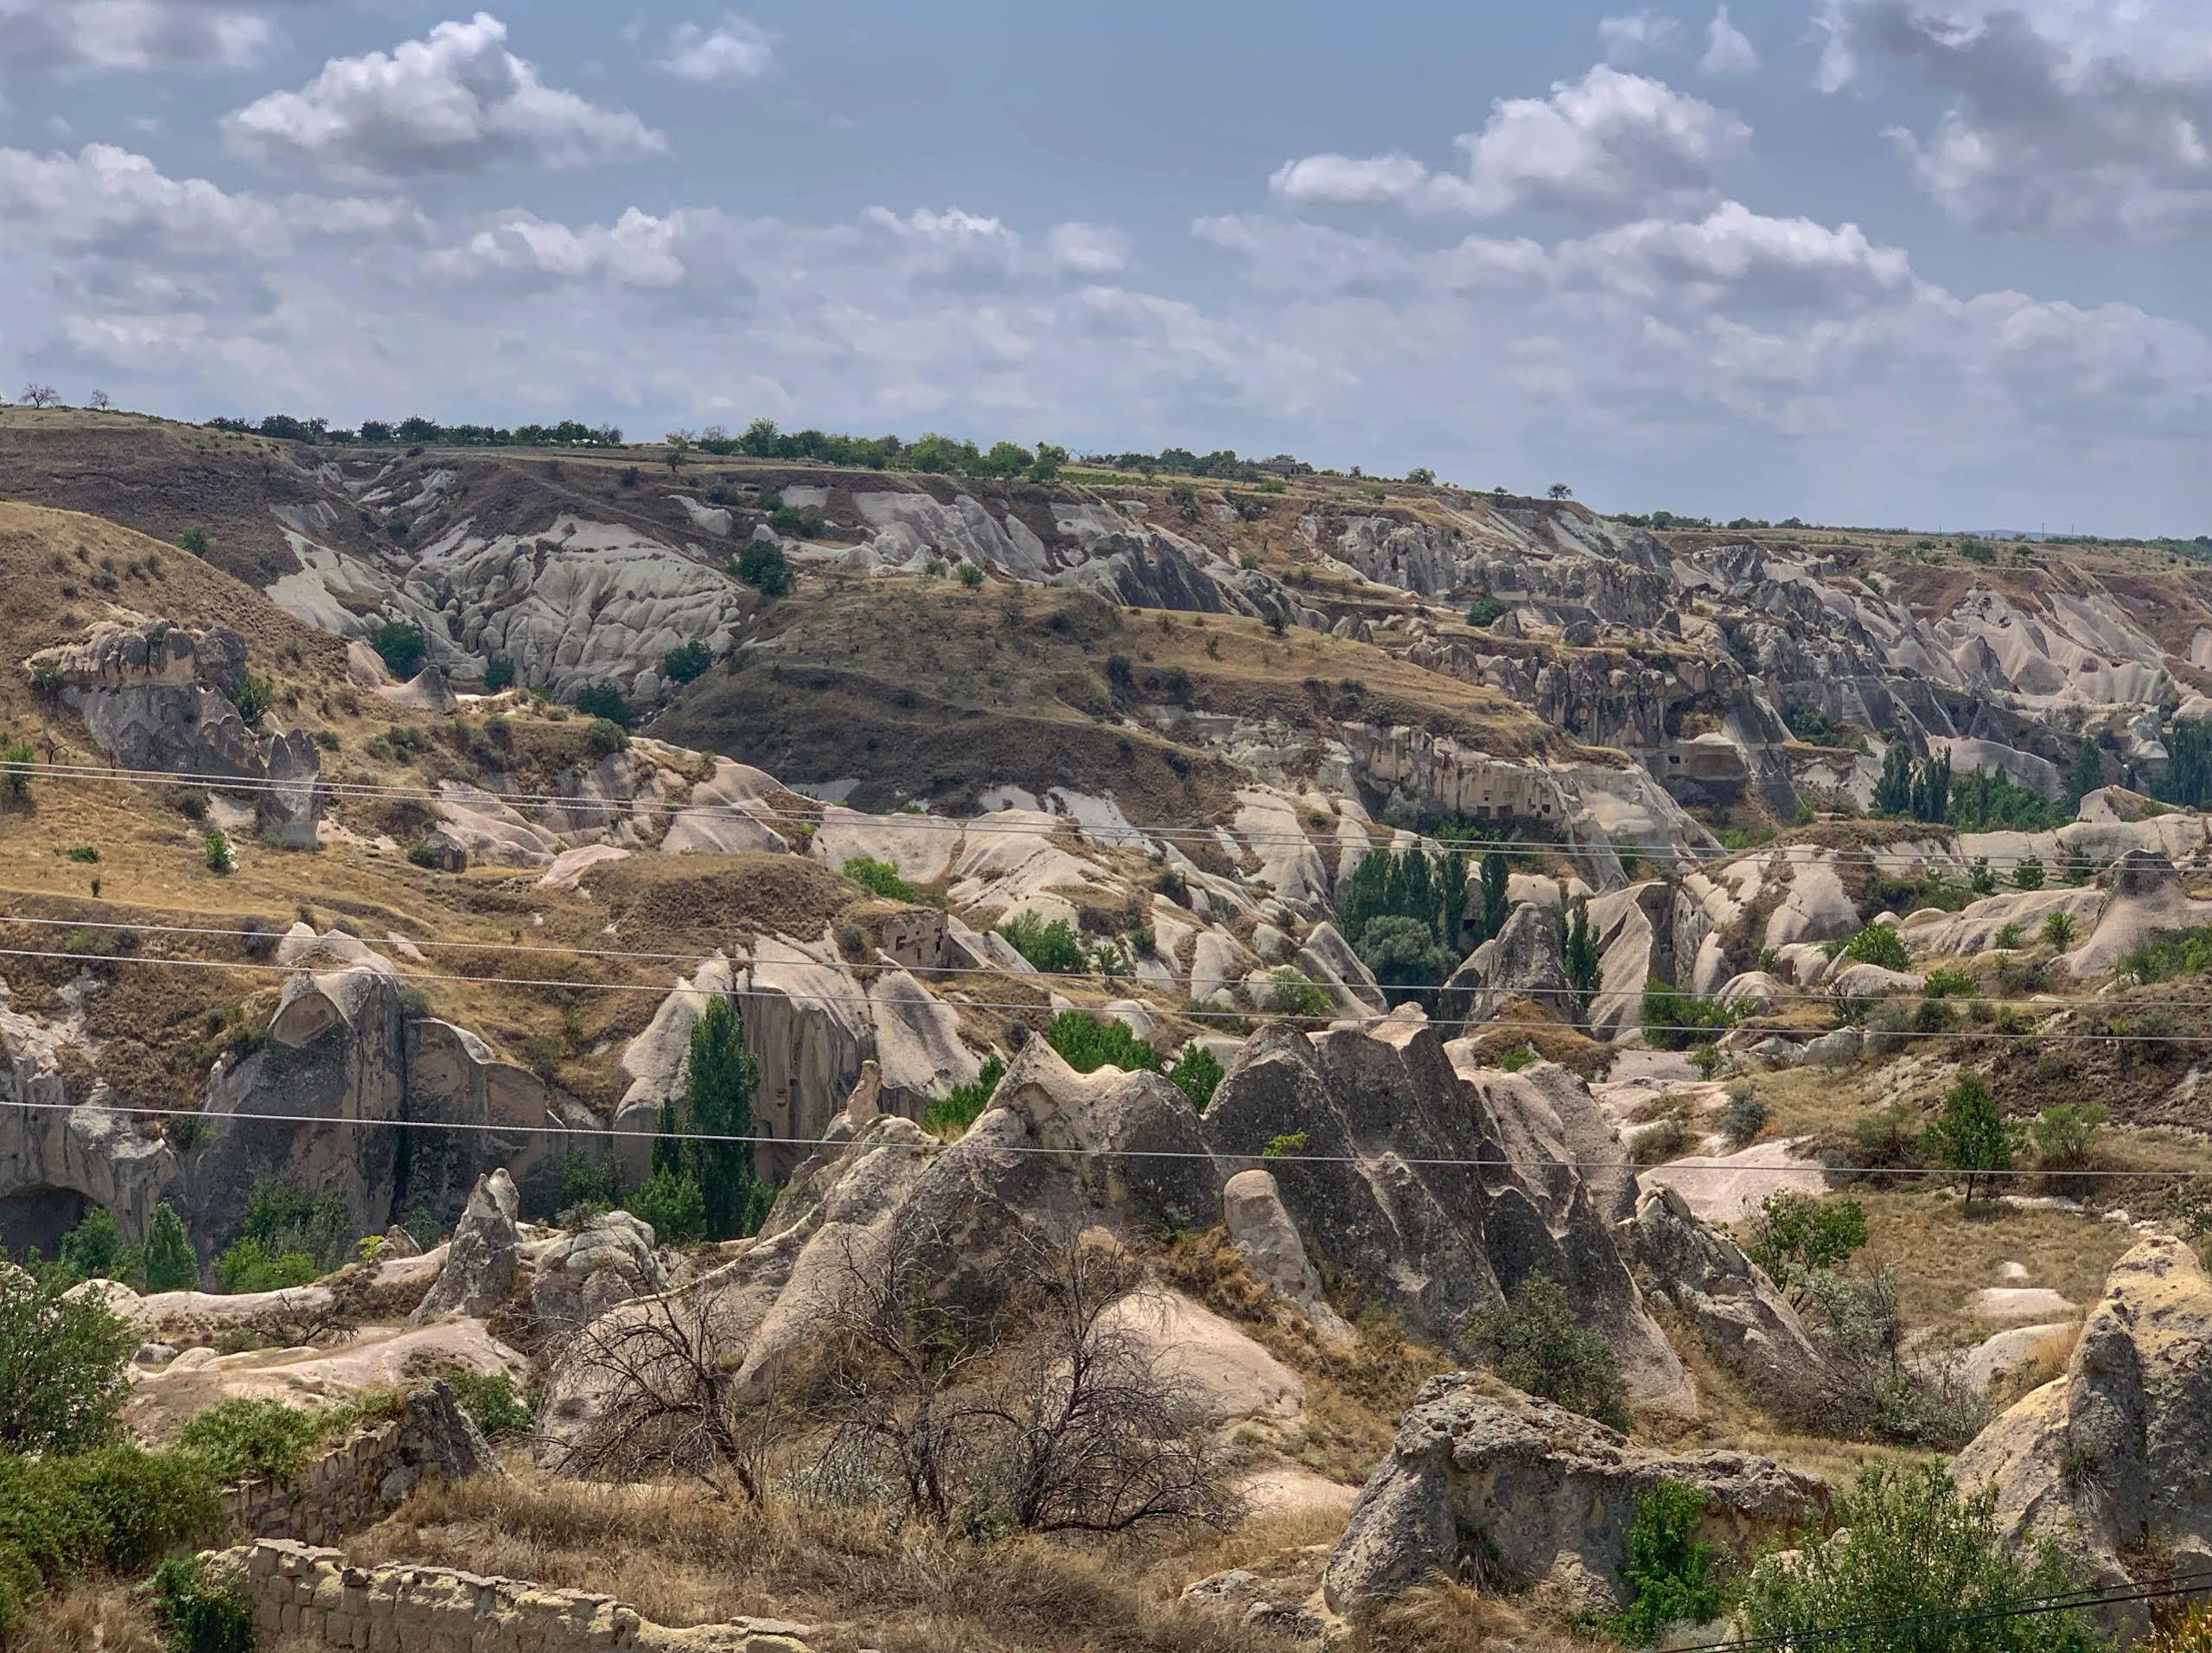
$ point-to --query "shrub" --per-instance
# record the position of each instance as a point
(195, 539)
(1674, 1020)
(1744, 1117)
(1795, 1235)
(117, 1509)
(497, 674)
(2058, 931)
(1485, 611)
(493, 1406)
(16, 759)
(878, 878)
(1290, 993)
(682, 665)
(2178, 952)
(1870, 1385)
(419, 853)
(1886, 1139)
(1197, 1074)
(604, 700)
(1879, 944)
(198, 1615)
(2190, 1633)
(64, 1357)
(671, 1204)
(1916, 1548)
(220, 857)
(1531, 1342)
(1288, 1145)
(1947, 984)
(2028, 875)
(951, 1114)
(248, 1265)
(1087, 1043)
(1050, 947)
(2009, 936)
(969, 576)
(1672, 1575)
(763, 566)
(257, 1440)
(285, 1218)
(402, 646)
(2064, 1136)
(253, 700)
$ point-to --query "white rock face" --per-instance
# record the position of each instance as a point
(1252, 1210)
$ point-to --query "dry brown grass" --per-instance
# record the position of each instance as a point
(1453, 1618)
(1942, 1256)
(90, 1615)
(681, 1558)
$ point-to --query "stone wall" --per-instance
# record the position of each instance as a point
(364, 1476)
(313, 1596)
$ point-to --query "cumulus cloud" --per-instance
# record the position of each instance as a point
(455, 101)
(2082, 119)
(1728, 49)
(1739, 260)
(63, 37)
(1087, 249)
(731, 52)
(1609, 145)
(637, 249)
(1636, 35)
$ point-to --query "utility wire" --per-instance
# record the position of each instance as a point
(1134, 978)
(1127, 834)
(1199, 1015)
(762, 1140)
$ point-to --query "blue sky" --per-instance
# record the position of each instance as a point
(1926, 261)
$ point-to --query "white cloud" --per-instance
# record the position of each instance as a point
(637, 249)
(1637, 35)
(733, 51)
(1087, 249)
(1609, 145)
(1728, 49)
(1742, 261)
(2083, 119)
(455, 101)
(89, 35)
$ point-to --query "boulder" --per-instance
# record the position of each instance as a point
(1252, 1210)
(1746, 1325)
(479, 1262)
(2113, 1459)
(582, 1275)
(1529, 1492)
(1523, 959)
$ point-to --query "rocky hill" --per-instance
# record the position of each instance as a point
(1307, 922)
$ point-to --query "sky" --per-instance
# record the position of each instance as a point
(1936, 263)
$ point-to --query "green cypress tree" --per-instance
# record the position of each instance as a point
(1452, 915)
(719, 1074)
(667, 1145)
(1494, 893)
(1584, 968)
(1893, 792)
(171, 1266)
(2087, 775)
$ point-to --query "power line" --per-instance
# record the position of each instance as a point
(1130, 834)
(762, 1139)
(1193, 1014)
(1135, 979)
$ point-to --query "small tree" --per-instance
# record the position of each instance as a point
(1879, 944)
(762, 565)
(1532, 1342)
(1495, 872)
(719, 1074)
(100, 400)
(38, 395)
(2058, 929)
(1584, 966)
(1795, 1235)
(194, 539)
(1673, 1576)
(2029, 874)
(65, 1358)
(16, 760)
(1559, 490)
(682, 665)
(170, 1264)
(402, 646)
(1970, 1135)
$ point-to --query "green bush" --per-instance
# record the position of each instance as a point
(1532, 1342)
(2058, 929)
(1916, 1548)
(194, 539)
(1674, 1020)
(1673, 1576)
(244, 1440)
(220, 856)
(170, 1264)
(1485, 611)
(253, 700)
(878, 878)
(493, 1406)
(198, 1615)
(764, 567)
(682, 665)
(1050, 947)
(1197, 1075)
(92, 1248)
(1290, 993)
(285, 1218)
(402, 646)
(671, 1204)
(2064, 1136)
(969, 576)
(2178, 952)
(497, 674)
(1970, 1135)
(1794, 1234)
(1744, 1117)
(117, 1509)
(63, 1358)
(1086, 1042)
(1947, 984)
(249, 1264)
(2029, 874)
(951, 1114)
(604, 700)
(1288, 1145)
(1879, 944)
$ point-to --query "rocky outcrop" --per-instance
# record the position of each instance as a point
(362, 1477)
(1529, 1492)
(2113, 1460)
(481, 1258)
(2144, 897)
(1525, 958)
(1723, 1298)
(1252, 1211)
(158, 696)
(582, 1275)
